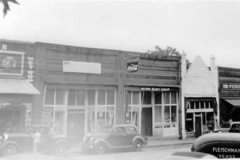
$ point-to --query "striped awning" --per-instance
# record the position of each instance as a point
(15, 86)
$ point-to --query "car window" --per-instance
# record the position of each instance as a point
(235, 126)
(119, 130)
(131, 130)
(225, 125)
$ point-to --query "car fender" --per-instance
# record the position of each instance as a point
(138, 138)
(10, 143)
(102, 141)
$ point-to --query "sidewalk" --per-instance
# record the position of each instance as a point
(157, 142)
(154, 142)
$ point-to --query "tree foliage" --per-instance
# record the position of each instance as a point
(169, 51)
(6, 6)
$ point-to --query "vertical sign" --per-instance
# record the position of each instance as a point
(30, 70)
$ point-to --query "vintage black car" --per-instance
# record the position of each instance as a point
(23, 142)
(121, 136)
(224, 145)
(228, 127)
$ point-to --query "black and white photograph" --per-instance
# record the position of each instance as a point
(124, 79)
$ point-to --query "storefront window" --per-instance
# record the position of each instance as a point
(105, 106)
(110, 97)
(166, 116)
(158, 114)
(71, 97)
(110, 117)
(91, 121)
(135, 97)
(132, 108)
(158, 98)
(173, 116)
(173, 98)
(146, 97)
(60, 97)
(59, 122)
(49, 96)
(167, 98)
(47, 118)
(91, 97)
(76, 97)
(101, 116)
(80, 97)
(101, 96)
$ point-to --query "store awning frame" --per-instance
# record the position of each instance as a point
(17, 86)
(234, 102)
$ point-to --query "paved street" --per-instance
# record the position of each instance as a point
(147, 153)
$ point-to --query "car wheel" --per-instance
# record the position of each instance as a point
(9, 150)
(138, 145)
(100, 148)
(60, 148)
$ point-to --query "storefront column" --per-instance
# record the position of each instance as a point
(183, 73)
(120, 111)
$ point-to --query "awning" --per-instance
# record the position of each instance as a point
(17, 87)
(234, 102)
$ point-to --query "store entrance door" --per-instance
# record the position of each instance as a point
(147, 121)
(75, 124)
(198, 125)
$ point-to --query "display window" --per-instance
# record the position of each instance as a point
(95, 108)
(155, 109)
(199, 115)
(133, 107)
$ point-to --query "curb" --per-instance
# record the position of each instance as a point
(166, 145)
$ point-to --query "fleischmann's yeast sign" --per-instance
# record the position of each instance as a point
(11, 63)
(226, 152)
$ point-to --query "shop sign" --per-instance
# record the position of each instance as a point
(231, 86)
(30, 70)
(11, 63)
(132, 66)
(81, 67)
(155, 89)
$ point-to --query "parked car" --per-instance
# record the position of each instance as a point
(224, 145)
(121, 136)
(225, 126)
(23, 142)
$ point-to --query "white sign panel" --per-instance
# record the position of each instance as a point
(81, 67)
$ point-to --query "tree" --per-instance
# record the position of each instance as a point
(169, 51)
(6, 7)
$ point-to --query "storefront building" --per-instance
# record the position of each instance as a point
(85, 90)
(17, 90)
(199, 97)
(229, 94)
(152, 95)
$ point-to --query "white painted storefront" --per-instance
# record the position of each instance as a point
(199, 97)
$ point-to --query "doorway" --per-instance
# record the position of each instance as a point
(75, 126)
(198, 125)
(147, 122)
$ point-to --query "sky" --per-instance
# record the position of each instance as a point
(202, 28)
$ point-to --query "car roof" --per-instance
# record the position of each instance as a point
(216, 137)
(235, 122)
